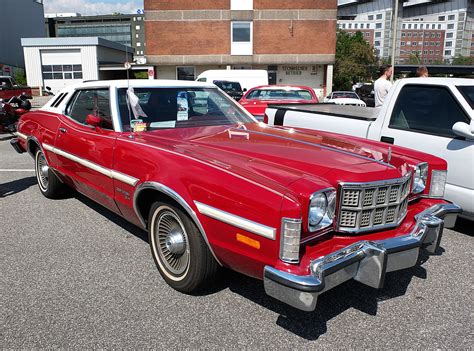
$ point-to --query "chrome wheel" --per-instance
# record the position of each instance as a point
(42, 171)
(171, 243)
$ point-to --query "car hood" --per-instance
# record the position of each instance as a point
(279, 156)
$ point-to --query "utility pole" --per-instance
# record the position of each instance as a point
(394, 37)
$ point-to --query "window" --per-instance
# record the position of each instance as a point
(241, 34)
(449, 44)
(403, 26)
(415, 34)
(431, 52)
(137, 27)
(468, 93)
(402, 43)
(377, 43)
(167, 108)
(378, 16)
(409, 34)
(451, 17)
(371, 17)
(185, 73)
(438, 35)
(378, 25)
(447, 52)
(62, 71)
(415, 26)
(427, 109)
(241, 4)
(439, 26)
(441, 18)
(425, 52)
(349, 26)
(403, 34)
(139, 44)
(433, 26)
(91, 102)
(451, 26)
(433, 35)
(409, 26)
(344, 25)
(356, 25)
(449, 35)
(420, 43)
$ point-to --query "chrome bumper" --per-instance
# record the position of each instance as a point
(365, 261)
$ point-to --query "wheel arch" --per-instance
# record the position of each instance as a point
(149, 192)
(32, 144)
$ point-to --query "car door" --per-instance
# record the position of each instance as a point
(85, 153)
(422, 119)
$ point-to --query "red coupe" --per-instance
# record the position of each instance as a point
(257, 99)
(302, 210)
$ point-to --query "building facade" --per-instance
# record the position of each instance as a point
(432, 31)
(59, 62)
(18, 21)
(294, 41)
(128, 30)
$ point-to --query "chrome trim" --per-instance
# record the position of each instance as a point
(413, 178)
(180, 200)
(21, 135)
(124, 178)
(364, 261)
(237, 221)
(282, 238)
(326, 190)
(320, 145)
(360, 208)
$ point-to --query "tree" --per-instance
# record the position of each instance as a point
(463, 60)
(355, 60)
(20, 77)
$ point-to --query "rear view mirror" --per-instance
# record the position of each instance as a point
(94, 121)
(244, 90)
(464, 130)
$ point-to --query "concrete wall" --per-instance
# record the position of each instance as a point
(18, 19)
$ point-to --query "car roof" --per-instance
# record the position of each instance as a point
(142, 83)
(282, 87)
(438, 81)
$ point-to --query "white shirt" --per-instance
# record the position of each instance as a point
(381, 88)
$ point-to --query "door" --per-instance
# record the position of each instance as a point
(422, 119)
(85, 153)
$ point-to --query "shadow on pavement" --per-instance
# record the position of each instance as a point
(464, 226)
(311, 325)
(16, 186)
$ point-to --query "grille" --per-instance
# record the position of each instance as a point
(369, 206)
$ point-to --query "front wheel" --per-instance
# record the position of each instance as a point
(48, 183)
(180, 253)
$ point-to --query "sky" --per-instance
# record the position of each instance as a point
(92, 7)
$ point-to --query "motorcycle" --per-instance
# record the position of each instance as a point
(11, 111)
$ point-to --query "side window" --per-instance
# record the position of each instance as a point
(91, 102)
(427, 109)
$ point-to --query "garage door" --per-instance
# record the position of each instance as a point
(61, 68)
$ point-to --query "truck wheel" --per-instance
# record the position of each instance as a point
(179, 251)
(48, 183)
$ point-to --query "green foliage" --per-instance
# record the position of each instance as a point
(355, 60)
(414, 59)
(20, 77)
(140, 75)
(463, 60)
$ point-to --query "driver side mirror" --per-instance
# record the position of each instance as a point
(244, 90)
(94, 121)
(464, 130)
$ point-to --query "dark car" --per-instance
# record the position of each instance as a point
(233, 89)
(366, 94)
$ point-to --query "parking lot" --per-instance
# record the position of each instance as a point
(73, 274)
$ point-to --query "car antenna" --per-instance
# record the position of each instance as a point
(127, 67)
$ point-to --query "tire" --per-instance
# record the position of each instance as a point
(48, 183)
(179, 250)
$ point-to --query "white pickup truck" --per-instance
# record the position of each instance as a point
(433, 115)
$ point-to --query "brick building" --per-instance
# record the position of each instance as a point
(294, 40)
(426, 44)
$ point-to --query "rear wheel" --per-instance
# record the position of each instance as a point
(179, 251)
(48, 183)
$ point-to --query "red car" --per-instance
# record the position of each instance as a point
(302, 210)
(257, 99)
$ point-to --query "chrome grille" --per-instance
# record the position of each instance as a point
(369, 206)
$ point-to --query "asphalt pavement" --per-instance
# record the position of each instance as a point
(74, 275)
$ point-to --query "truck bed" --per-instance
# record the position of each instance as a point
(346, 111)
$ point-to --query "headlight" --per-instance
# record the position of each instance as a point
(420, 177)
(438, 183)
(321, 211)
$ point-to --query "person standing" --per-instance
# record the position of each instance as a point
(422, 71)
(383, 84)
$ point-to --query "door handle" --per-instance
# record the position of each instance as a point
(388, 140)
(63, 130)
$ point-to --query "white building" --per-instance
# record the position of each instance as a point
(58, 62)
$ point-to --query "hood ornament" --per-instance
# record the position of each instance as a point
(389, 154)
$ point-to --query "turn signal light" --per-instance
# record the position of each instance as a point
(248, 241)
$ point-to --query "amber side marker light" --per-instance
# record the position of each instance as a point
(248, 241)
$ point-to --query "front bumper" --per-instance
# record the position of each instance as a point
(364, 261)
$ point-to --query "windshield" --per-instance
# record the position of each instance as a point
(158, 108)
(468, 92)
(5, 82)
(228, 86)
(279, 94)
(344, 94)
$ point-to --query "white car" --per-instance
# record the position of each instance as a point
(433, 115)
(344, 98)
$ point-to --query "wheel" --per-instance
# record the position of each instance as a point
(48, 183)
(180, 253)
